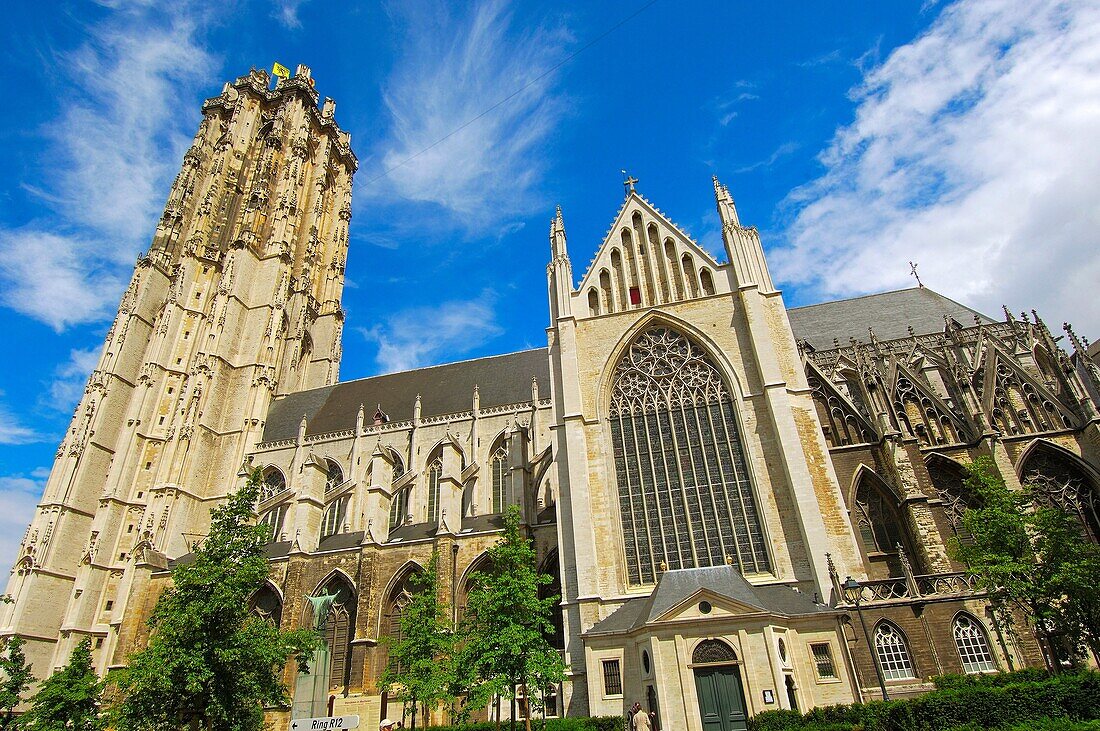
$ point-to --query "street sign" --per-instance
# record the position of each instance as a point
(324, 724)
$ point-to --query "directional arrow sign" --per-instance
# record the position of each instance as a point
(328, 723)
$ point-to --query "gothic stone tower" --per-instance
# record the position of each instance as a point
(236, 301)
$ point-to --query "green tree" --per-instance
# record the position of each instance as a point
(210, 662)
(1033, 558)
(16, 678)
(504, 645)
(70, 698)
(420, 670)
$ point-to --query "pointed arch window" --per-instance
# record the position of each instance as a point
(334, 516)
(893, 652)
(267, 604)
(502, 478)
(949, 480)
(876, 518)
(1064, 484)
(335, 476)
(273, 519)
(399, 508)
(337, 631)
(973, 645)
(685, 495)
(273, 483)
(435, 472)
(396, 603)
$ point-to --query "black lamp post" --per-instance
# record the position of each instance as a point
(853, 590)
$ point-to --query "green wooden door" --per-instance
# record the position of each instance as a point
(721, 701)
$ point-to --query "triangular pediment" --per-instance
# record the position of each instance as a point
(847, 423)
(720, 606)
(646, 260)
(1016, 401)
(921, 411)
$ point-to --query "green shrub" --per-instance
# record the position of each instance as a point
(960, 704)
(1027, 675)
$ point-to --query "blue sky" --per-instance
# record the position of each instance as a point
(857, 137)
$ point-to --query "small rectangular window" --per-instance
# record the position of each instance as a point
(99, 643)
(823, 659)
(109, 606)
(635, 296)
(612, 678)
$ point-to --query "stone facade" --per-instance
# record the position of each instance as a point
(699, 466)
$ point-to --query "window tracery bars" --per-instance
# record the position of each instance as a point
(399, 508)
(841, 427)
(335, 476)
(502, 478)
(273, 483)
(435, 471)
(267, 605)
(1064, 485)
(684, 491)
(712, 651)
(876, 519)
(949, 483)
(893, 653)
(273, 519)
(921, 417)
(973, 646)
(337, 631)
(334, 517)
(1018, 408)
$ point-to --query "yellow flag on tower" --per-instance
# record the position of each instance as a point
(281, 71)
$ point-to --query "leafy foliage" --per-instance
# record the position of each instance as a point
(503, 646)
(420, 669)
(15, 681)
(1031, 557)
(68, 700)
(962, 704)
(210, 661)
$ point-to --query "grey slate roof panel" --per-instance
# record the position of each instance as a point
(506, 379)
(889, 313)
(676, 586)
(340, 541)
(444, 389)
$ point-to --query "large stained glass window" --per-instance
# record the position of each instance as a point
(684, 490)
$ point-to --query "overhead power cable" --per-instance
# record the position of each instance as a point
(517, 92)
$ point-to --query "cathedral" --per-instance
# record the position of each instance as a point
(743, 506)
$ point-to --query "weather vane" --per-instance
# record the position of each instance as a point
(628, 182)
(913, 271)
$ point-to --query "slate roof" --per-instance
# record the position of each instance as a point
(675, 586)
(889, 313)
(444, 389)
(506, 379)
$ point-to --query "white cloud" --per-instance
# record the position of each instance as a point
(421, 336)
(19, 494)
(287, 12)
(975, 151)
(455, 64)
(127, 116)
(70, 377)
(12, 432)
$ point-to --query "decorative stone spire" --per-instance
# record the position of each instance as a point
(534, 390)
(302, 430)
(560, 271)
(727, 209)
(416, 409)
(359, 418)
(476, 400)
(743, 248)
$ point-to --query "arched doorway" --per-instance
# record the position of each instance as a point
(718, 685)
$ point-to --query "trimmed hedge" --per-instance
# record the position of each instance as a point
(974, 703)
